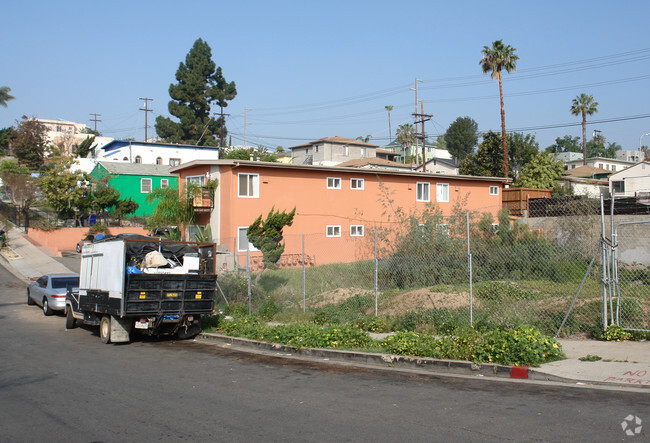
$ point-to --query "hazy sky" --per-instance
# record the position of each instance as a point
(307, 70)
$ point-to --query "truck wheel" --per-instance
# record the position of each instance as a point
(29, 299)
(46, 307)
(70, 321)
(105, 329)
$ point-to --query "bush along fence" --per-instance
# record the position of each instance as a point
(575, 273)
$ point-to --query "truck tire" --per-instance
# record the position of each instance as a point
(70, 321)
(47, 311)
(105, 329)
(30, 302)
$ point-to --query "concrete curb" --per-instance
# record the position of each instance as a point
(4, 262)
(397, 362)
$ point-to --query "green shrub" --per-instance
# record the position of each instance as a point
(520, 346)
(616, 333)
(268, 309)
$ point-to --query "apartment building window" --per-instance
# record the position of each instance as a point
(422, 192)
(145, 185)
(442, 192)
(618, 186)
(159, 160)
(363, 152)
(613, 167)
(494, 190)
(443, 229)
(138, 159)
(356, 183)
(333, 182)
(356, 230)
(174, 161)
(334, 231)
(600, 165)
(346, 150)
(242, 240)
(249, 185)
(198, 180)
(164, 183)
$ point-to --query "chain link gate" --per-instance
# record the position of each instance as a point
(630, 294)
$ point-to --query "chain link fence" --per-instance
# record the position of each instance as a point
(481, 268)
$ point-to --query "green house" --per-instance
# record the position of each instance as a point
(136, 180)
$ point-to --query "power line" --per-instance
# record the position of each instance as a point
(146, 113)
(95, 120)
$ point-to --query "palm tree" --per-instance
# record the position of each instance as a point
(4, 95)
(406, 137)
(390, 132)
(496, 59)
(584, 104)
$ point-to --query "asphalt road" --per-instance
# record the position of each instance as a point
(58, 385)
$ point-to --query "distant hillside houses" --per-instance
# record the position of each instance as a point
(66, 134)
(345, 152)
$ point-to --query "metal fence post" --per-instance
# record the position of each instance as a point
(469, 265)
(304, 276)
(376, 277)
(248, 272)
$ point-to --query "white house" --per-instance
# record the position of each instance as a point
(630, 156)
(631, 181)
(154, 153)
(609, 164)
(65, 134)
(331, 151)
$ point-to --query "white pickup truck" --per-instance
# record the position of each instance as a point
(135, 283)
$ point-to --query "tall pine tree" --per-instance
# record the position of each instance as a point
(200, 84)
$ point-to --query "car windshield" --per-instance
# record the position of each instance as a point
(63, 282)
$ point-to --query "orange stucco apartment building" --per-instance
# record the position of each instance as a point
(337, 208)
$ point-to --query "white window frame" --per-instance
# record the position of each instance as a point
(137, 160)
(239, 242)
(442, 228)
(198, 180)
(439, 192)
(357, 231)
(420, 188)
(334, 182)
(174, 161)
(494, 190)
(357, 184)
(252, 185)
(142, 187)
(164, 183)
(333, 230)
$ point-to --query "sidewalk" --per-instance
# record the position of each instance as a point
(622, 363)
(28, 261)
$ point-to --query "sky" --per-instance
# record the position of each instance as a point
(307, 70)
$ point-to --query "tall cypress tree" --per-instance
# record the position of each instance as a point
(200, 84)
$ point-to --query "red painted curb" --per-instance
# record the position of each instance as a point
(519, 372)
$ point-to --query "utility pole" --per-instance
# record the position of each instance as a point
(245, 109)
(146, 113)
(415, 114)
(424, 117)
(95, 120)
(222, 136)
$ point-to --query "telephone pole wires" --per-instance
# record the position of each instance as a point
(423, 118)
(146, 114)
(95, 119)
